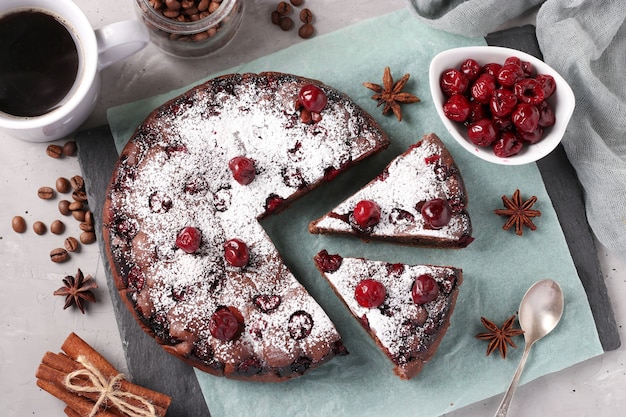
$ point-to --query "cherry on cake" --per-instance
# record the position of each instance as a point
(418, 199)
(406, 309)
(181, 229)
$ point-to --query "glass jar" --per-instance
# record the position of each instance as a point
(191, 28)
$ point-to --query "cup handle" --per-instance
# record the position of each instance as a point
(120, 40)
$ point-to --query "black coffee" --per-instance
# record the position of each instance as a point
(38, 63)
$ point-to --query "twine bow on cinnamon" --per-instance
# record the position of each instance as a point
(108, 390)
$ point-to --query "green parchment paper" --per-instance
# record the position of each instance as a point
(498, 266)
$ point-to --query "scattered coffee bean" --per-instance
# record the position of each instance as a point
(285, 23)
(275, 17)
(76, 205)
(54, 151)
(87, 237)
(19, 224)
(280, 18)
(57, 227)
(39, 228)
(77, 182)
(45, 193)
(59, 255)
(86, 227)
(306, 31)
(89, 217)
(79, 215)
(64, 207)
(79, 196)
(283, 8)
(63, 185)
(306, 16)
(69, 148)
(71, 244)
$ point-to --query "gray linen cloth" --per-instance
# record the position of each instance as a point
(585, 41)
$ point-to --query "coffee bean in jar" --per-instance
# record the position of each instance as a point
(191, 28)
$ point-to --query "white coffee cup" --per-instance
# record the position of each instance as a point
(97, 49)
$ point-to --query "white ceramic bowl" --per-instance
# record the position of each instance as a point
(562, 101)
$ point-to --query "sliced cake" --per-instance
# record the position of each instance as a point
(406, 309)
(418, 199)
(181, 229)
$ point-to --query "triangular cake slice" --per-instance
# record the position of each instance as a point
(418, 199)
(406, 309)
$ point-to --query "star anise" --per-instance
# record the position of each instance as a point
(499, 338)
(519, 212)
(390, 94)
(77, 290)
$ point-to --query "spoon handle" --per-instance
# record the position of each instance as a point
(508, 395)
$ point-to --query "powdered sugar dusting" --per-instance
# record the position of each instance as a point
(410, 179)
(175, 174)
(405, 329)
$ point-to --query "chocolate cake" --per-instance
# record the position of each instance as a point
(406, 309)
(188, 254)
(418, 199)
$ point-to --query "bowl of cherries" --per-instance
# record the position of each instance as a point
(500, 104)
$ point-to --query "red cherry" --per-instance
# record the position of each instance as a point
(525, 117)
(425, 289)
(482, 133)
(483, 88)
(546, 115)
(547, 83)
(529, 90)
(224, 323)
(491, 68)
(236, 253)
(312, 98)
(507, 145)
(366, 213)
(509, 74)
(531, 137)
(370, 293)
(189, 239)
(457, 108)
(243, 169)
(453, 82)
(470, 68)
(502, 102)
(436, 213)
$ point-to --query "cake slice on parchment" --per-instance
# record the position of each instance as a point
(419, 199)
(406, 309)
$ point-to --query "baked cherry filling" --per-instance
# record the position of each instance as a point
(236, 253)
(326, 262)
(189, 239)
(226, 323)
(243, 169)
(425, 289)
(370, 293)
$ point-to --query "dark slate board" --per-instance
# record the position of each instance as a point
(147, 366)
(567, 197)
(155, 369)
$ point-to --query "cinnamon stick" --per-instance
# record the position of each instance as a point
(54, 368)
(48, 373)
(80, 405)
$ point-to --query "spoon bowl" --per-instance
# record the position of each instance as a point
(540, 311)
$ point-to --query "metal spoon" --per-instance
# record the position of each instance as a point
(539, 313)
